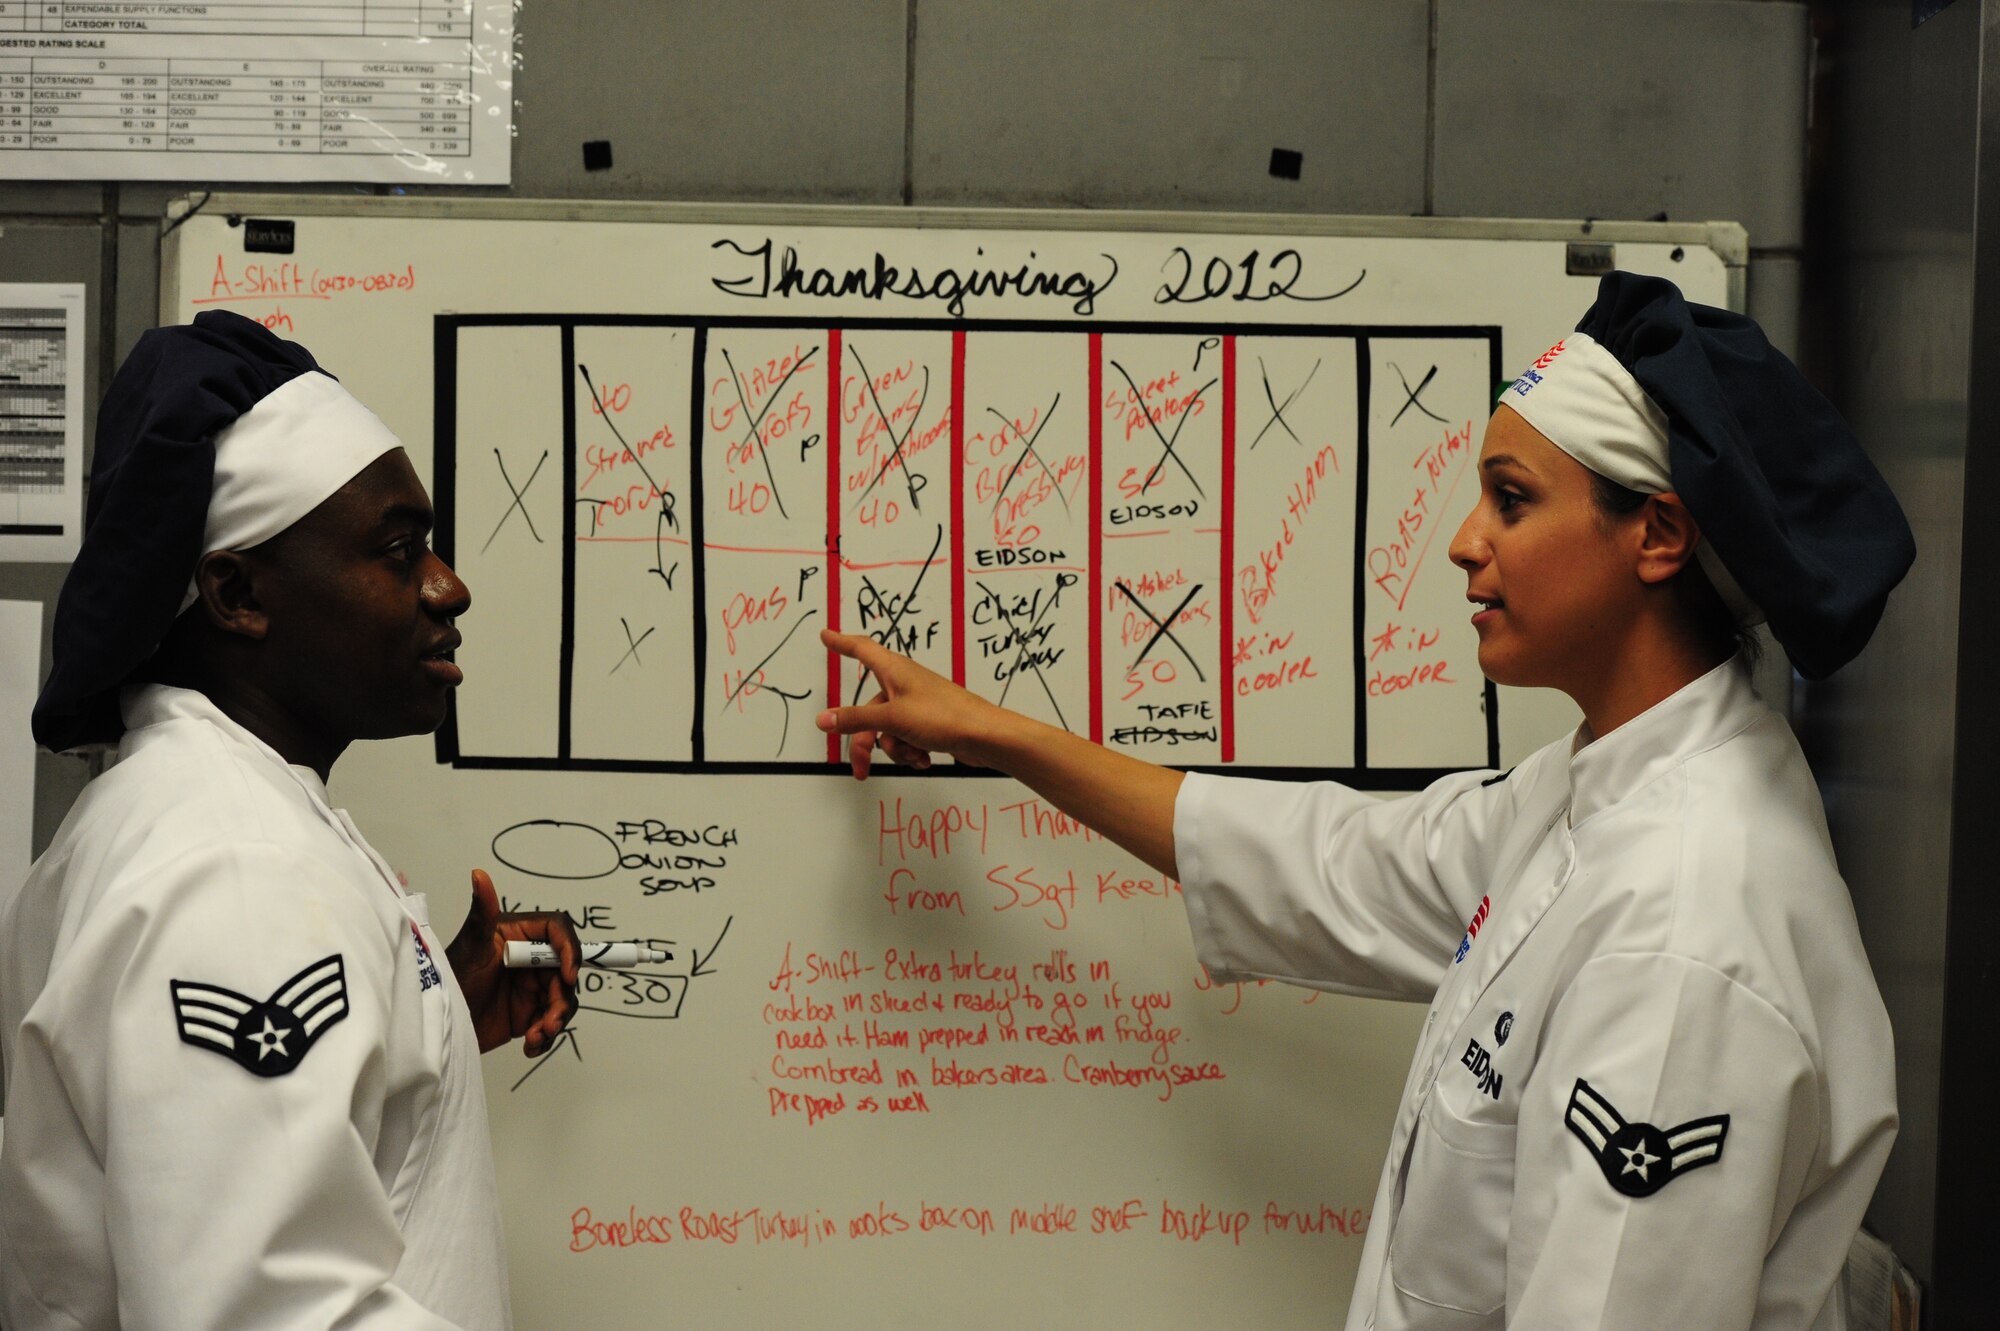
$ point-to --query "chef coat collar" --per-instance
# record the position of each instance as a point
(1699, 716)
(143, 705)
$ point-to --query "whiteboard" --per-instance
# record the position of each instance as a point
(928, 1052)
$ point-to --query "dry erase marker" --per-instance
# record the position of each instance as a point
(614, 956)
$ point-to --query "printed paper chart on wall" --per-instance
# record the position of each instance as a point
(397, 91)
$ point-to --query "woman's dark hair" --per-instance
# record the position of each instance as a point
(1712, 617)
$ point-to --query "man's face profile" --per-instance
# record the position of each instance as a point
(359, 609)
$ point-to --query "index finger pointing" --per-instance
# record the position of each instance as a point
(858, 647)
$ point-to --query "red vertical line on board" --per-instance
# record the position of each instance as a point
(1096, 410)
(833, 526)
(958, 507)
(1228, 549)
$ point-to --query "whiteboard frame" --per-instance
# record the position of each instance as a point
(1360, 1030)
(1728, 241)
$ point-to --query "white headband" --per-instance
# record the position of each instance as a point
(281, 459)
(1586, 403)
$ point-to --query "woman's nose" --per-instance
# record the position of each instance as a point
(1468, 547)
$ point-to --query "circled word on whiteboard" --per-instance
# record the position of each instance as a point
(573, 851)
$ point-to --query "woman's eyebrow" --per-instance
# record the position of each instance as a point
(1499, 460)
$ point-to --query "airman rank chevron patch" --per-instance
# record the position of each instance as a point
(271, 1037)
(1639, 1159)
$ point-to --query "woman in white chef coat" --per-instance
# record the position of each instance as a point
(1655, 1087)
(242, 1066)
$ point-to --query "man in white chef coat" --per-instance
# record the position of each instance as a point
(242, 1067)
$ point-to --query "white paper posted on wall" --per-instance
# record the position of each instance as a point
(41, 421)
(416, 92)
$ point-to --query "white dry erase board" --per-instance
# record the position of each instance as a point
(927, 1052)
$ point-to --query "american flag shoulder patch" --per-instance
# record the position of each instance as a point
(267, 1037)
(1639, 1159)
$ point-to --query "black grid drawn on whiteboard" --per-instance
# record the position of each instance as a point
(697, 535)
(1361, 774)
(566, 657)
(1363, 386)
(444, 487)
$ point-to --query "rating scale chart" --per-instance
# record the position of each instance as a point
(1221, 548)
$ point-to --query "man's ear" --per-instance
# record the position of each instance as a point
(225, 583)
(1668, 536)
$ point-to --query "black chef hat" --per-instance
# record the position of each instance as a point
(150, 485)
(1796, 511)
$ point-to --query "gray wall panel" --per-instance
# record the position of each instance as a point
(1890, 289)
(1146, 105)
(1772, 297)
(796, 102)
(35, 198)
(138, 285)
(1582, 108)
(1968, 1172)
(146, 200)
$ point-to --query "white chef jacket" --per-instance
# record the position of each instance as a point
(1655, 1087)
(204, 919)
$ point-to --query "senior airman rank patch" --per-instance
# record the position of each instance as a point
(1639, 1159)
(271, 1037)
